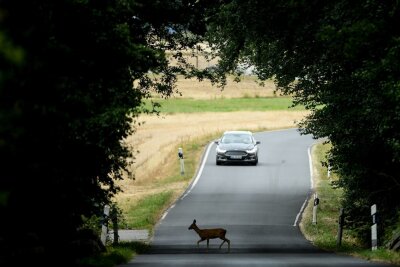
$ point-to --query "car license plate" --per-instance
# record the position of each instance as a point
(236, 157)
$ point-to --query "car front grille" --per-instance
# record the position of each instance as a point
(236, 153)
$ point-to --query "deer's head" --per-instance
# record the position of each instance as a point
(193, 225)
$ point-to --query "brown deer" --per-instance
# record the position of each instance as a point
(207, 234)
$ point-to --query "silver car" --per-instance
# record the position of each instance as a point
(237, 146)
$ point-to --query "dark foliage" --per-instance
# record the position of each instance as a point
(341, 59)
(67, 101)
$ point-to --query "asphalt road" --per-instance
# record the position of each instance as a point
(259, 206)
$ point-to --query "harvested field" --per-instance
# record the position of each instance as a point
(247, 87)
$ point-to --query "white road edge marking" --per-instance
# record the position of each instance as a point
(194, 182)
(200, 171)
(312, 186)
(311, 167)
(166, 212)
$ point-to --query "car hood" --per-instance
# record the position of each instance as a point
(236, 146)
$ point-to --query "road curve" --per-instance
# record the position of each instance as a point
(259, 206)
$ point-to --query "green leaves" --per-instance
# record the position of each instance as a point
(339, 59)
(68, 99)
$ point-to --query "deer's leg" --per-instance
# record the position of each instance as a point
(198, 242)
(225, 240)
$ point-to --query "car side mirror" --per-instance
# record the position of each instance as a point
(216, 142)
(258, 142)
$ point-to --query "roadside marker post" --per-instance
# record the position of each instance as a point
(180, 155)
(374, 228)
(316, 202)
(104, 225)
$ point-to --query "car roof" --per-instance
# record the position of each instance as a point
(237, 132)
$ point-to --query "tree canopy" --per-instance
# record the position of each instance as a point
(73, 74)
(341, 59)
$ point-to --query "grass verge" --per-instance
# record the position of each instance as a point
(115, 255)
(145, 213)
(323, 234)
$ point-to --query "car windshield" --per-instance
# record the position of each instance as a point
(236, 138)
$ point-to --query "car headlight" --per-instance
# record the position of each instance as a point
(252, 150)
(220, 151)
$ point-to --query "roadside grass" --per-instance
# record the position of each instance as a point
(145, 213)
(186, 105)
(323, 234)
(117, 254)
(380, 255)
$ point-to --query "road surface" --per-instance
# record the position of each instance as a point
(259, 206)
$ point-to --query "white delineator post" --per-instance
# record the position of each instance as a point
(374, 228)
(180, 154)
(104, 226)
(316, 202)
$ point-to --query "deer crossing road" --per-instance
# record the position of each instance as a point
(258, 206)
